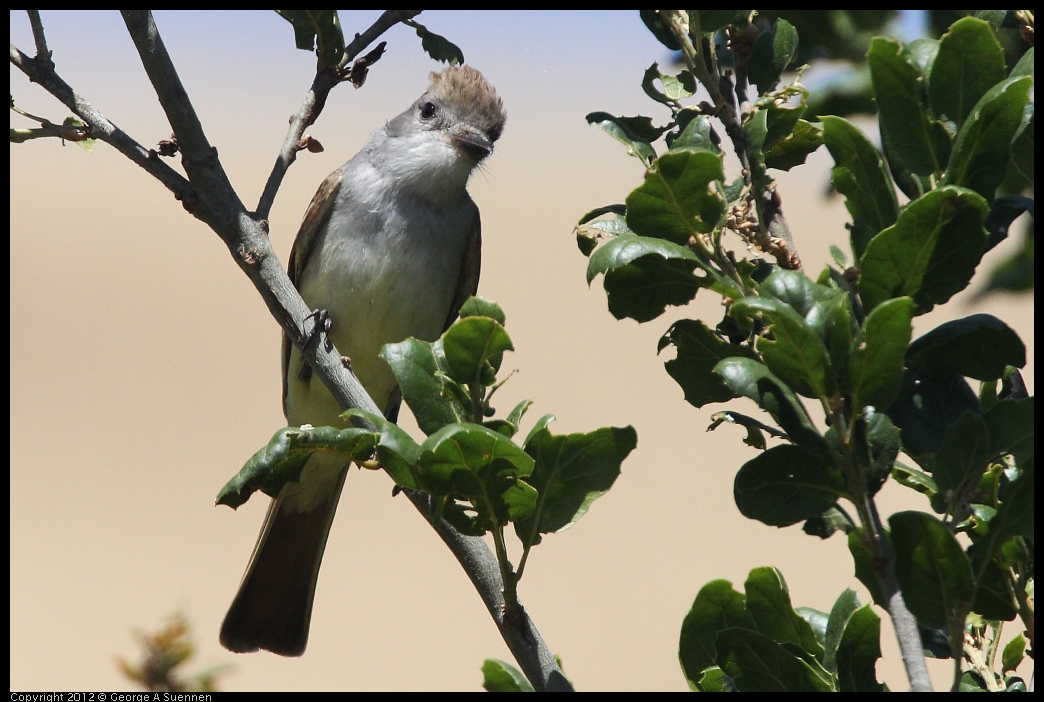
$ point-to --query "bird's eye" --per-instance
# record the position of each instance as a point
(428, 111)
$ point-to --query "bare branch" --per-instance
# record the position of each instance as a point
(42, 52)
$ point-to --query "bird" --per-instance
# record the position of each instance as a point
(389, 248)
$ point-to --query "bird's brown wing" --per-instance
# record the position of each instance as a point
(467, 284)
(307, 241)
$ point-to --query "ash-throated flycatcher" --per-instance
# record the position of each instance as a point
(390, 248)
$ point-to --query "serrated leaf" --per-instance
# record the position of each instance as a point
(319, 30)
(860, 175)
(498, 676)
(929, 254)
(699, 351)
(932, 569)
(644, 288)
(793, 149)
(979, 346)
(876, 367)
(680, 197)
(675, 88)
(717, 607)
(282, 459)
(636, 133)
(696, 135)
(981, 151)
(437, 46)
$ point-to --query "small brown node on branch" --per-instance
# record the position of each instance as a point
(168, 147)
(514, 615)
(189, 200)
(249, 255)
(309, 143)
(357, 73)
(346, 362)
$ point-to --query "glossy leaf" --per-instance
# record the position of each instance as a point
(914, 141)
(929, 254)
(699, 350)
(642, 289)
(756, 663)
(624, 250)
(816, 619)
(476, 306)
(675, 88)
(635, 133)
(696, 135)
(795, 289)
(961, 459)
(926, 406)
(570, 472)
(981, 151)
(795, 354)
(396, 450)
(680, 197)
(1015, 516)
(793, 149)
(979, 346)
(1013, 653)
(785, 485)
(931, 567)
(1011, 424)
(858, 652)
(318, 30)
(768, 602)
(993, 595)
(747, 377)
(876, 367)
(833, 321)
(840, 613)
(773, 51)
(915, 479)
(969, 62)
(1005, 210)
(415, 365)
(864, 568)
(498, 676)
(884, 442)
(860, 175)
(282, 459)
(714, 679)
(717, 607)
(474, 348)
(651, 20)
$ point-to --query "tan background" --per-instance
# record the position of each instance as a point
(144, 371)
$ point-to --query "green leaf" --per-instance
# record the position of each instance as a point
(929, 254)
(1005, 210)
(643, 289)
(681, 197)
(795, 289)
(747, 377)
(636, 133)
(914, 142)
(932, 569)
(623, 250)
(396, 450)
(1013, 653)
(571, 472)
(795, 148)
(319, 30)
(817, 620)
(476, 306)
(474, 348)
(282, 459)
(438, 47)
(694, 134)
(858, 652)
(415, 365)
(796, 354)
(981, 152)
(699, 350)
(1015, 516)
(860, 175)
(1022, 144)
(864, 567)
(876, 367)
(652, 22)
(713, 20)
(840, 614)
(768, 602)
(970, 62)
(915, 479)
(714, 680)
(993, 597)
(756, 663)
(675, 88)
(498, 676)
(962, 457)
(884, 442)
(926, 406)
(979, 346)
(717, 607)
(773, 51)
(827, 523)
(833, 321)
(785, 485)
(1010, 424)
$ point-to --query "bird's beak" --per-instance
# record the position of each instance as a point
(472, 145)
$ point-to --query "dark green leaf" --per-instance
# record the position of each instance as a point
(785, 485)
(747, 377)
(319, 30)
(714, 680)
(756, 663)
(643, 289)
(922, 53)
(540, 425)
(281, 460)
(680, 197)
(474, 348)
(1022, 144)
(652, 22)
(623, 250)
(931, 567)
(713, 20)
(914, 142)
(833, 321)
(858, 651)
(876, 366)
(768, 602)
(675, 88)
(827, 523)
(795, 148)
(970, 61)
(1004, 211)
(817, 620)
(1015, 516)
(864, 567)
(570, 473)
(415, 364)
(961, 459)
(926, 406)
(915, 479)
(979, 346)
(1011, 428)
(884, 440)
(795, 354)
(981, 151)
(481, 307)
(396, 450)
(438, 47)
(498, 676)
(993, 597)
(696, 136)
(717, 607)
(773, 51)
(929, 254)
(859, 174)
(795, 289)
(972, 682)
(840, 613)
(1013, 654)
(636, 133)
(699, 350)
